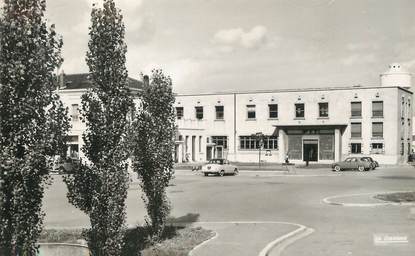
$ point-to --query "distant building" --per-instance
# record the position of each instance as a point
(322, 124)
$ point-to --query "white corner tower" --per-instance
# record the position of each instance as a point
(396, 75)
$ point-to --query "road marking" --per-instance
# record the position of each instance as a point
(328, 200)
(278, 244)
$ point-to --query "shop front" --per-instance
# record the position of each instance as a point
(310, 143)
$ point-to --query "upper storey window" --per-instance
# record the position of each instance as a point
(377, 108)
(251, 113)
(199, 113)
(323, 108)
(299, 110)
(179, 112)
(356, 108)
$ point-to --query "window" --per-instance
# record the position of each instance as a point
(220, 141)
(273, 110)
(199, 112)
(356, 130)
(356, 148)
(219, 112)
(377, 148)
(323, 109)
(271, 142)
(75, 112)
(299, 110)
(402, 149)
(251, 111)
(377, 108)
(179, 112)
(356, 109)
(377, 130)
(251, 143)
(200, 143)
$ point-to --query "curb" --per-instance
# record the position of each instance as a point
(203, 243)
(327, 200)
(65, 244)
(279, 244)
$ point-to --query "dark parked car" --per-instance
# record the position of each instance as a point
(352, 163)
(374, 163)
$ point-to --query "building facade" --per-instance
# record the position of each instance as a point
(319, 125)
(70, 89)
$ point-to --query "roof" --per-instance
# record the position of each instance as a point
(356, 87)
(82, 81)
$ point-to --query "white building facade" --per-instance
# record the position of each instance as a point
(321, 125)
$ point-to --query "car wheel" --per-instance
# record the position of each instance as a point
(337, 168)
(361, 168)
(206, 174)
(235, 172)
(221, 173)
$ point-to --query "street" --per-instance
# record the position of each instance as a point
(242, 209)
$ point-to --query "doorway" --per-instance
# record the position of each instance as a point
(310, 150)
(208, 153)
(219, 152)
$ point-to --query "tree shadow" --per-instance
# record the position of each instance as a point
(137, 239)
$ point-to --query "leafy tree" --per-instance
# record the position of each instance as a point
(33, 121)
(99, 187)
(152, 144)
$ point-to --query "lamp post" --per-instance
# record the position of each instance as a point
(259, 137)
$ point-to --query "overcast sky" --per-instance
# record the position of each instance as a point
(227, 45)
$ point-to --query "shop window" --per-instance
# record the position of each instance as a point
(220, 141)
(377, 148)
(252, 143)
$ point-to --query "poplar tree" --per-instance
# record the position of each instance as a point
(99, 187)
(33, 121)
(152, 145)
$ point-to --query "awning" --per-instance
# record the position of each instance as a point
(308, 127)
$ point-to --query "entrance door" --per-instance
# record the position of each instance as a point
(310, 150)
(208, 153)
(219, 152)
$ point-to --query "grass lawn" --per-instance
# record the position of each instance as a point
(397, 197)
(177, 240)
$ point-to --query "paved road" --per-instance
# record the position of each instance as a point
(274, 196)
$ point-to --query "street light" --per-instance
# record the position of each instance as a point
(259, 137)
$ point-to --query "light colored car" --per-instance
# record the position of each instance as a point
(219, 167)
(352, 163)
